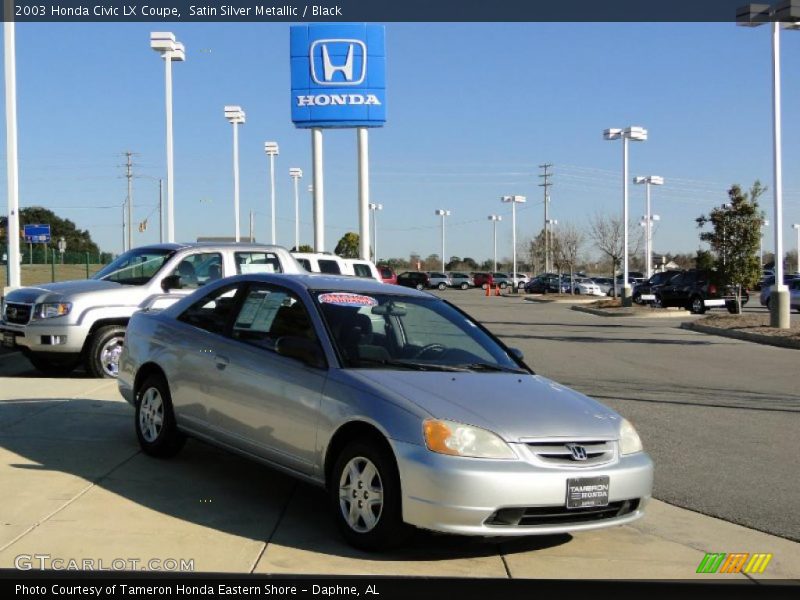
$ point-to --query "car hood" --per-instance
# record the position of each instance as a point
(63, 290)
(515, 406)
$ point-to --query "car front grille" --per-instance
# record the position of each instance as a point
(559, 515)
(19, 314)
(561, 453)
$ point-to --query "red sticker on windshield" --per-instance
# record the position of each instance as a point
(343, 299)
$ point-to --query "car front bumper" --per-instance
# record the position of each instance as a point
(459, 495)
(45, 336)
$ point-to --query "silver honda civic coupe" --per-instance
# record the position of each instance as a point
(405, 409)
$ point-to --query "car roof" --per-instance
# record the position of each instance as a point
(206, 245)
(339, 283)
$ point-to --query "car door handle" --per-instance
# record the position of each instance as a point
(221, 361)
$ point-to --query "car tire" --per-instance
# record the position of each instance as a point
(378, 524)
(53, 368)
(104, 348)
(577, 291)
(733, 307)
(658, 303)
(464, 286)
(696, 306)
(503, 285)
(484, 286)
(637, 298)
(155, 419)
(442, 286)
(419, 286)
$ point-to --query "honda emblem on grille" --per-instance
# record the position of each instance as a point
(11, 312)
(578, 452)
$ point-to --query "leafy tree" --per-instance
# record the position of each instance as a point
(704, 260)
(735, 237)
(303, 248)
(349, 245)
(78, 240)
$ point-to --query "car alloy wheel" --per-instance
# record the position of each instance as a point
(105, 347)
(419, 286)
(442, 286)
(697, 306)
(464, 286)
(151, 415)
(155, 420)
(361, 494)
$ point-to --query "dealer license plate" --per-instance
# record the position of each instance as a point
(585, 492)
(715, 302)
(8, 340)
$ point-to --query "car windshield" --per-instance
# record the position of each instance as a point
(387, 331)
(135, 267)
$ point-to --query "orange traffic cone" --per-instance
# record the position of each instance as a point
(497, 291)
(487, 290)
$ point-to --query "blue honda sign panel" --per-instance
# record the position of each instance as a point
(37, 234)
(338, 75)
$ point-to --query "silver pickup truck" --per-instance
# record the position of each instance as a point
(59, 325)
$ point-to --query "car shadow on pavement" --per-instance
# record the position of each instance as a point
(200, 493)
(615, 340)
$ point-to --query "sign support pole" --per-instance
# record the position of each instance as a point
(363, 192)
(319, 196)
(12, 177)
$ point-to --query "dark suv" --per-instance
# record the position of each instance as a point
(414, 279)
(697, 291)
(652, 285)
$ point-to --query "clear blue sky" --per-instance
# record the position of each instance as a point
(472, 110)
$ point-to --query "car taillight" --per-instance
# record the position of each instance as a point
(712, 289)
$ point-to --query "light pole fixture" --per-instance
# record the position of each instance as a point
(171, 50)
(764, 223)
(296, 174)
(236, 117)
(796, 227)
(271, 148)
(635, 134)
(373, 207)
(649, 218)
(783, 14)
(442, 213)
(494, 219)
(513, 200)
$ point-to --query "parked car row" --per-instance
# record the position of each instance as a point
(422, 280)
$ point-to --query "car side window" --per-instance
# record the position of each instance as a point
(361, 270)
(269, 313)
(329, 266)
(257, 262)
(213, 311)
(198, 269)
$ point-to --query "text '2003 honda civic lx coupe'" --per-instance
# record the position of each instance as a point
(403, 407)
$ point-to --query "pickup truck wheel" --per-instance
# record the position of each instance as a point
(696, 307)
(53, 367)
(102, 359)
(155, 420)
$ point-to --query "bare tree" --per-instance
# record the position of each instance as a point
(607, 233)
(569, 241)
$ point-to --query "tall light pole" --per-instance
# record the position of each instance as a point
(271, 148)
(764, 223)
(648, 219)
(550, 225)
(513, 200)
(164, 42)
(636, 134)
(296, 174)
(787, 14)
(494, 219)
(235, 116)
(374, 208)
(442, 213)
(796, 227)
(12, 171)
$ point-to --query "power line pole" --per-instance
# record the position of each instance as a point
(129, 175)
(546, 185)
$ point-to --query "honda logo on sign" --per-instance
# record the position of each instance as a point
(344, 57)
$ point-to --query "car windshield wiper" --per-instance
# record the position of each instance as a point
(416, 366)
(491, 367)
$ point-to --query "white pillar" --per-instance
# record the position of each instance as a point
(626, 290)
(236, 180)
(443, 259)
(12, 172)
(170, 171)
(780, 297)
(494, 238)
(514, 244)
(363, 192)
(319, 196)
(272, 196)
(296, 214)
(649, 234)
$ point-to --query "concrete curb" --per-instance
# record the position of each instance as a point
(758, 338)
(634, 314)
(545, 300)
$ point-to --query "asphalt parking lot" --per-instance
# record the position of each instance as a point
(719, 417)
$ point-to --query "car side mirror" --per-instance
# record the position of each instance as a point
(302, 349)
(517, 353)
(171, 282)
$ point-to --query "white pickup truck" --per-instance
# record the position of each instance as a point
(59, 325)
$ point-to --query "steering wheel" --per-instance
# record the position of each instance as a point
(438, 348)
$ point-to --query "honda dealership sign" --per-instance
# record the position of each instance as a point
(338, 75)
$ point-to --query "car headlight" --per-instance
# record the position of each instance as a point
(48, 310)
(629, 440)
(457, 439)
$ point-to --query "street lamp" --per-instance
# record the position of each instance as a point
(494, 219)
(235, 116)
(373, 207)
(513, 200)
(296, 174)
(786, 13)
(764, 223)
(271, 148)
(796, 227)
(442, 213)
(649, 218)
(164, 42)
(636, 134)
